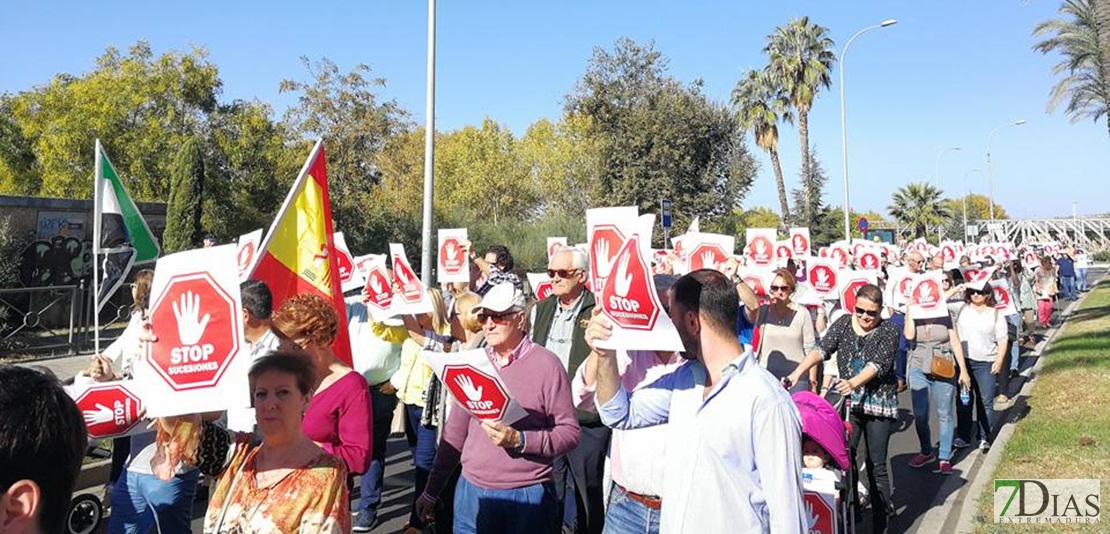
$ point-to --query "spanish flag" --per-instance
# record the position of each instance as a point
(298, 255)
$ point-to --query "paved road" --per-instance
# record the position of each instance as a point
(915, 490)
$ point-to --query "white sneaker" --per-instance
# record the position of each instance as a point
(984, 446)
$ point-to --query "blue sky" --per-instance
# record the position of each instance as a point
(945, 75)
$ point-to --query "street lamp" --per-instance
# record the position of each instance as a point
(844, 123)
(936, 175)
(967, 192)
(429, 151)
(990, 178)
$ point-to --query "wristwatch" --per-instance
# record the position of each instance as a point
(520, 446)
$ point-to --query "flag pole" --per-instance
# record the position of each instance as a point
(96, 247)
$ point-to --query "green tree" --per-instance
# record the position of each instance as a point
(812, 185)
(800, 63)
(345, 110)
(248, 169)
(17, 160)
(978, 209)
(480, 175)
(183, 230)
(1082, 38)
(142, 108)
(918, 206)
(760, 105)
(658, 138)
(561, 163)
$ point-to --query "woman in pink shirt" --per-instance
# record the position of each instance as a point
(339, 415)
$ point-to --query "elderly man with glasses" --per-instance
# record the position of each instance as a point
(506, 483)
(559, 323)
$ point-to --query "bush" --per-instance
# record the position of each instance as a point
(9, 254)
(1102, 257)
(527, 240)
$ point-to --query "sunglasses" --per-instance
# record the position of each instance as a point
(983, 292)
(499, 318)
(781, 288)
(561, 273)
(869, 313)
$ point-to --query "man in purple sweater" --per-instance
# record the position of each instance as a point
(506, 483)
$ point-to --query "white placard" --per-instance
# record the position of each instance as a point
(1004, 297)
(799, 242)
(927, 296)
(553, 245)
(247, 253)
(709, 251)
(109, 409)
(475, 384)
(759, 279)
(410, 297)
(632, 305)
(606, 232)
(200, 361)
(350, 278)
(851, 282)
(760, 246)
(378, 292)
(540, 284)
(452, 265)
(823, 275)
(899, 284)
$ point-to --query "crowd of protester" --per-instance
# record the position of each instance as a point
(707, 439)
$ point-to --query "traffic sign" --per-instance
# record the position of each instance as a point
(109, 409)
(665, 211)
(194, 320)
(863, 225)
(479, 393)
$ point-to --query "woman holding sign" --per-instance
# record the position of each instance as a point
(339, 416)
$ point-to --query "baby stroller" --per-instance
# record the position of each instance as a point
(822, 424)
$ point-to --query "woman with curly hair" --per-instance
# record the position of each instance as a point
(339, 415)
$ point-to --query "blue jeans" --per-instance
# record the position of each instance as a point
(422, 443)
(371, 482)
(1067, 284)
(1015, 350)
(626, 516)
(982, 401)
(1081, 279)
(942, 392)
(141, 502)
(530, 510)
(898, 319)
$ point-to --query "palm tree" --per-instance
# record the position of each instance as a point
(801, 61)
(919, 206)
(1084, 42)
(760, 105)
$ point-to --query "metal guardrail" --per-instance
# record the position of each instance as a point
(56, 317)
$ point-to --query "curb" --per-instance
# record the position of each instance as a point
(965, 500)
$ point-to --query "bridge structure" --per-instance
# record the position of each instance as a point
(1091, 234)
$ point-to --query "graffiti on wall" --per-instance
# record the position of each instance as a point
(57, 261)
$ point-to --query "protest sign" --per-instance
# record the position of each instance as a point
(630, 302)
(759, 279)
(410, 297)
(553, 245)
(899, 284)
(605, 237)
(247, 253)
(378, 292)
(110, 409)
(475, 384)
(850, 284)
(452, 263)
(199, 362)
(927, 296)
(799, 242)
(822, 274)
(783, 251)
(541, 285)
(709, 251)
(350, 278)
(760, 245)
(1003, 297)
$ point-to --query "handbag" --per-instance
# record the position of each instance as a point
(942, 365)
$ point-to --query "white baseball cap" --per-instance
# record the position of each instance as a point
(502, 298)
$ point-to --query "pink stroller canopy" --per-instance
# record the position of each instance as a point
(822, 424)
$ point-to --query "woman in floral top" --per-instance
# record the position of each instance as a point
(286, 484)
(865, 347)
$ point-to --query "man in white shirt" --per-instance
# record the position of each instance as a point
(258, 304)
(734, 454)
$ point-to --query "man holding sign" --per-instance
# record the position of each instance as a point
(506, 483)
